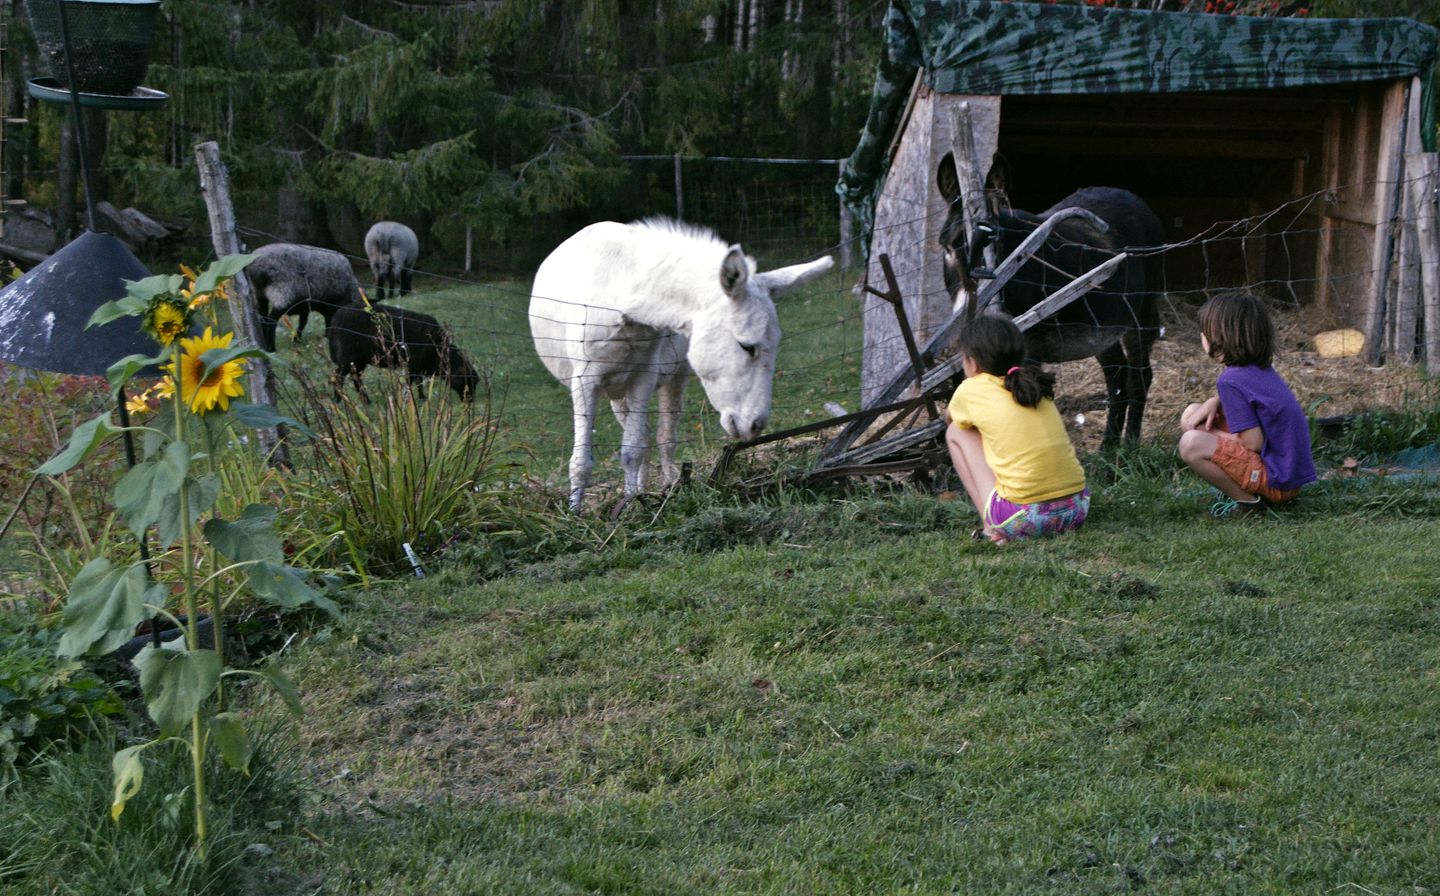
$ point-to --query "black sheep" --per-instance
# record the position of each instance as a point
(386, 336)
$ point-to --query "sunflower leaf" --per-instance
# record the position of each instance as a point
(176, 682)
(214, 358)
(287, 587)
(263, 416)
(202, 493)
(121, 371)
(142, 291)
(220, 270)
(129, 306)
(251, 537)
(105, 604)
(85, 439)
(141, 493)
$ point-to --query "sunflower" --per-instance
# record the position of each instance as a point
(166, 318)
(222, 383)
(138, 404)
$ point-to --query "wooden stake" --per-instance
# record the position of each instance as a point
(1427, 231)
(215, 183)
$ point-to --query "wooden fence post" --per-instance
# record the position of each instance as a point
(215, 184)
(1427, 231)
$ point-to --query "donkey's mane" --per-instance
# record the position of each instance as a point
(679, 228)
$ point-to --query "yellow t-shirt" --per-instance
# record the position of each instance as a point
(1026, 448)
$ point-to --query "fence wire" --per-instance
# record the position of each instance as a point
(820, 356)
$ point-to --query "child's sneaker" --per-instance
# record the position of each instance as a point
(1228, 508)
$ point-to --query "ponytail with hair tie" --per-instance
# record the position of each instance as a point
(1015, 369)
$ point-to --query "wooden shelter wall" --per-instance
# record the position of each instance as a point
(1305, 174)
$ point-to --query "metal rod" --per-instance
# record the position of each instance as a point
(129, 444)
(79, 119)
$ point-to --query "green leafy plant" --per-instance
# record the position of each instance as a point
(43, 697)
(207, 559)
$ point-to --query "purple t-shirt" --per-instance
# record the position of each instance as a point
(1257, 396)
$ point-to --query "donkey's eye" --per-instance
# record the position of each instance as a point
(750, 348)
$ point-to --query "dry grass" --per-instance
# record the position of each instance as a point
(1183, 373)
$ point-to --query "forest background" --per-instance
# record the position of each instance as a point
(505, 120)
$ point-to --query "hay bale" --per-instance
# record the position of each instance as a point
(1339, 343)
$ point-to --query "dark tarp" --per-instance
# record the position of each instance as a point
(996, 48)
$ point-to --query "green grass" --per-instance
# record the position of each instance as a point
(846, 695)
(839, 692)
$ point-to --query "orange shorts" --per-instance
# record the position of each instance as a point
(1247, 470)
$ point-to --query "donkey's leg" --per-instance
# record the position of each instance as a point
(672, 397)
(582, 399)
(1138, 376)
(1117, 395)
(633, 413)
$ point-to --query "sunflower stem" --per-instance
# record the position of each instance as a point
(192, 608)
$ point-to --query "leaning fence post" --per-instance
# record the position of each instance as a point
(215, 184)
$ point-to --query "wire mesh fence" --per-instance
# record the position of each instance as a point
(819, 365)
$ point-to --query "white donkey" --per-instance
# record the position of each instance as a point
(626, 310)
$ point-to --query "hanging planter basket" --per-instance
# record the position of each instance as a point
(110, 40)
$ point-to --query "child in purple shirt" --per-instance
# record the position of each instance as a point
(1251, 439)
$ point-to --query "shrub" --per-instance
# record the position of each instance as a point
(43, 697)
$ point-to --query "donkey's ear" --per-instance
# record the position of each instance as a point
(735, 273)
(782, 280)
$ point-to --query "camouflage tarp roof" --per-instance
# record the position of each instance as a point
(997, 48)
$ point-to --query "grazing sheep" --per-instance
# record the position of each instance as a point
(386, 336)
(292, 279)
(392, 249)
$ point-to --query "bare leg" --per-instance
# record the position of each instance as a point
(1197, 447)
(967, 454)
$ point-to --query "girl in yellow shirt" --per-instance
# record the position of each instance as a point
(1007, 441)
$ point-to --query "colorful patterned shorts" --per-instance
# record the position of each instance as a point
(1013, 521)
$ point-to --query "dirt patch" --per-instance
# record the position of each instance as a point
(1183, 373)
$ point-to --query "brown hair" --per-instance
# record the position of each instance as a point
(1239, 330)
(997, 346)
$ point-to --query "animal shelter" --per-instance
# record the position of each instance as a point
(1274, 150)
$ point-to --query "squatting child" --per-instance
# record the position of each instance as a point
(1251, 439)
(1007, 441)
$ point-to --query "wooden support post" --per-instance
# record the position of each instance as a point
(1400, 329)
(972, 196)
(1427, 231)
(215, 184)
(1388, 193)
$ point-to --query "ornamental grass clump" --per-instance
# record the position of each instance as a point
(172, 497)
(405, 472)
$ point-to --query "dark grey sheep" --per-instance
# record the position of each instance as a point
(392, 249)
(386, 336)
(293, 279)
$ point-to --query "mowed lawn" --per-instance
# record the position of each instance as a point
(846, 695)
(841, 693)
